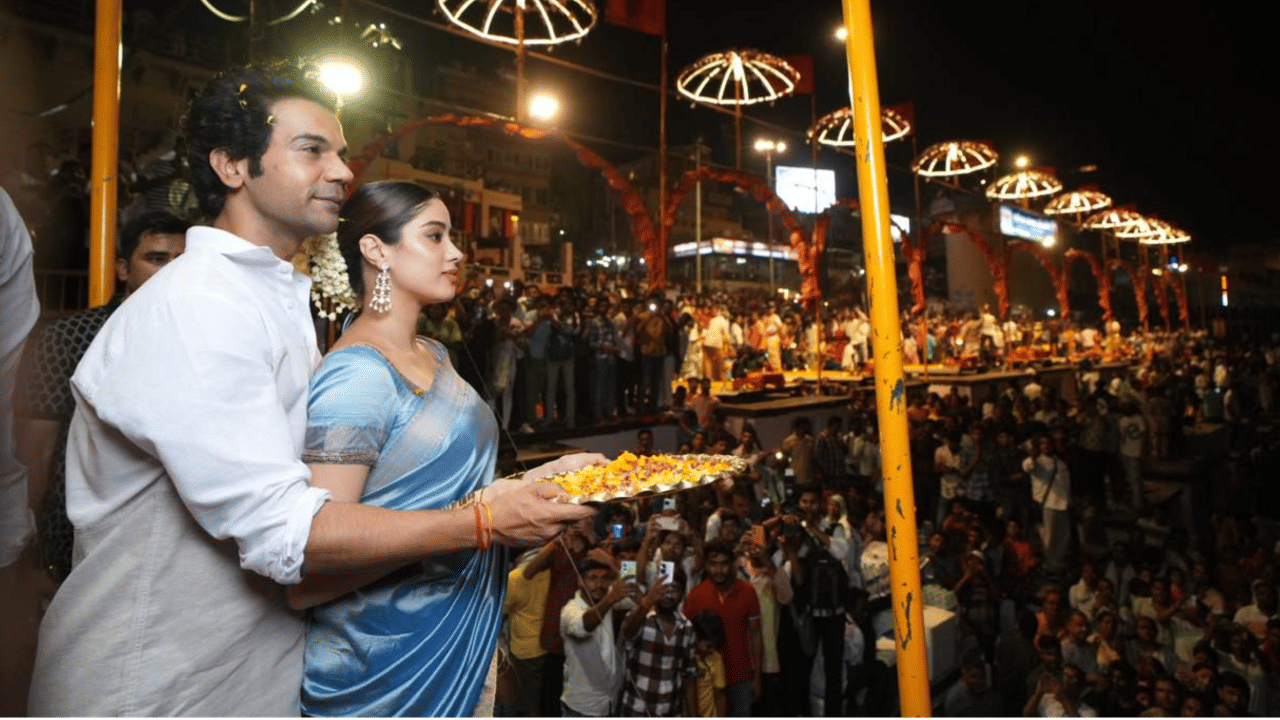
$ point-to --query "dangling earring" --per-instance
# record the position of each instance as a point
(381, 300)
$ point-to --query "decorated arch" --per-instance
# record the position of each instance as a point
(1036, 250)
(641, 224)
(999, 268)
(1099, 274)
(758, 189)
(1139, 285)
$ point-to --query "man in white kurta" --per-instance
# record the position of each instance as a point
(182, 466)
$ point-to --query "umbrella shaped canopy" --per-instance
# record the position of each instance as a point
(545, 22)
(1112, 219)
(1142, 227)
(1167, 234)
(836, 127)
(737, 77)
(1024, 185)
(1077, 202)
(954, 157)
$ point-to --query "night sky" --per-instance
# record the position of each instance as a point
(1171, 108)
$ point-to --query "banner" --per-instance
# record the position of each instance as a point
(803, 65)
(647, 16)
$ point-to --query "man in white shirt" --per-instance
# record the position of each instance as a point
(593, 662)
(21, 308)
(716, 341)
(1051, 489)
(183, 469)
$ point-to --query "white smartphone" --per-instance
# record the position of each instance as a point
(667, 573)
(667, 522)
(628, 571)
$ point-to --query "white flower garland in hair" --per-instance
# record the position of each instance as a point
(330, 289)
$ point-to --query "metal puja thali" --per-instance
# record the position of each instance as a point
(635, 476)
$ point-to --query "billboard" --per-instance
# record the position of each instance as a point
(805, 189)
(1019, 223)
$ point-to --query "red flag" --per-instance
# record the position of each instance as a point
(803, 65)
(908, 112)
(647, 16)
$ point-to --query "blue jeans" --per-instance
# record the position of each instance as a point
(738, 699)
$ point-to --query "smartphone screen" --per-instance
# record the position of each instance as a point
(668, 571)
(628, 570)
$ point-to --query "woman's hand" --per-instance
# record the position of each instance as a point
(564, 464)
(529, 513)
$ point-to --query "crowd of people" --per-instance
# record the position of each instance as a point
(1077, 589)
(332, 531)
(551, 358)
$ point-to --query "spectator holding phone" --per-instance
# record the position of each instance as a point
(593, 668)
(660, 653)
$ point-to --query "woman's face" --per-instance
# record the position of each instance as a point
(425, 263)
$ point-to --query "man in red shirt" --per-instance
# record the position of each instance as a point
(735, 602)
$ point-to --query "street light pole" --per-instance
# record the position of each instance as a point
(697, 220)
(768, 147)
(768, 163)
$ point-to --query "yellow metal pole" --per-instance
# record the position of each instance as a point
(106, 151)
(891, 401)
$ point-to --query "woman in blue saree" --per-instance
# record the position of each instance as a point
(390, 423)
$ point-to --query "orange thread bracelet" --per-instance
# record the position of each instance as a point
(480, 538)
(489, 511)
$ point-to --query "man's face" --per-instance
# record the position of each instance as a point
(1202, 679)
(646, 440)
(1166, 695)
(719, 569)
(1051, 657)
(810, 503)
(729, 530)
(1229, 696)
(1266, 595)
(304, 175)
(154, 251)
(1078, 628)
(975, 679)
(597, 582)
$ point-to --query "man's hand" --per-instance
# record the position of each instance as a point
(620, 589)
(528, 514)
(564, 464)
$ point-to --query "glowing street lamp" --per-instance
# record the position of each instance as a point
(1021, 162)
(345, 76)
(769, 147)
(841, 33)
(544, 107)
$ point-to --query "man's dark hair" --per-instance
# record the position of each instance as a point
(708, 626)
(1028, 624)
(381, 209)
(233, 113)
(1237, 682)
(153, 222)
(718, 547)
